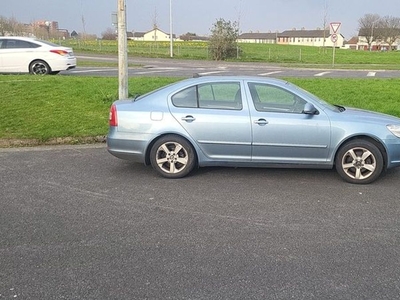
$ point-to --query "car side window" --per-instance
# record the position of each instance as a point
(221, 95)
(17, 44)
(186, 98)
(271, 98)
(218, 95)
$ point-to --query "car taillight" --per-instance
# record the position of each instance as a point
(60, 52)
(113, 120)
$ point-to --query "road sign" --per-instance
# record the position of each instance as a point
(334, 37)
(335, 27)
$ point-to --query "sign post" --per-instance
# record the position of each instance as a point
(334, 31)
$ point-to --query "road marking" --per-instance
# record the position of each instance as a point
(150, 72)
(89, 71)
(371, 74)
(321, 74)
(270, 73)
(210, 73)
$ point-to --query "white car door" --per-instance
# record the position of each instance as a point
(17, 55)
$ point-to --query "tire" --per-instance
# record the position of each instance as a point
(359, 161)
(172, 157)
(39, 67)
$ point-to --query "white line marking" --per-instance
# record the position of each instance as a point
(322, 74)
(213, 72)
(88, 71)
(149, 72)
(270, 73)
(371, 74)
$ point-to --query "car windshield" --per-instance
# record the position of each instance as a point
(325, 104)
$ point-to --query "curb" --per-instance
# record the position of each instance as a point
(14, 143)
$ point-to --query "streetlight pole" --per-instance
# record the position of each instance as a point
(171, 46)
(122, 51)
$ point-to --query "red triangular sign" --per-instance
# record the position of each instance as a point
(335, 27)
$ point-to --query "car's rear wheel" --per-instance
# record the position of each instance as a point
(39, 67)
(172, 156)
(359, 161)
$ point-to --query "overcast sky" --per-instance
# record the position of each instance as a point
(198, 16)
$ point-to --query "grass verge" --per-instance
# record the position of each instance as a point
(68, 109)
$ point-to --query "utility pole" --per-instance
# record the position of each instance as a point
(171, 47)
(122, 51)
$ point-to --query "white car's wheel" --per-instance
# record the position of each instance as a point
(172, 157)
(39, 67)
(359, 161)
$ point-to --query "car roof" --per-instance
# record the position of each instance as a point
(205, 79)
(19, 38)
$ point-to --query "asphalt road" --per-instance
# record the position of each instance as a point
(186, 68)
(77, 223)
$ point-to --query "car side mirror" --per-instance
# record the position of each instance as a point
(309, 109)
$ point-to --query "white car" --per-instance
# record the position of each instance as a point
(31, 55)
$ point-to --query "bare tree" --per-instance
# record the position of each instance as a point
(109, 34)
(390, 31)
(325, 22)
(367, 28)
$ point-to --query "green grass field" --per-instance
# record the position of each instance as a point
(287, 55)
(47, 107)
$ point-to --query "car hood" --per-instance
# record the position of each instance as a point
(356, 114)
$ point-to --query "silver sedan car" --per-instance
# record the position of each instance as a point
(250, 121)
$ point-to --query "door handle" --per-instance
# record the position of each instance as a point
(188, 119)
(261, 122)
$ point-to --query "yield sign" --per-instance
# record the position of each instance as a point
(335, 26)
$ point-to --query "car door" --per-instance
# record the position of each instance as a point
(282, 133)
(215, 116)
(17, 55)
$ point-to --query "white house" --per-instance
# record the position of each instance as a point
(317, 38)
(154, 35)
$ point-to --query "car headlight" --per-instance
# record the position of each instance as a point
(395, 129)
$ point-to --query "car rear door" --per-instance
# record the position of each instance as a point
(282, 133)
(215, 116)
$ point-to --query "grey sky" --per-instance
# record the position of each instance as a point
(198, 15)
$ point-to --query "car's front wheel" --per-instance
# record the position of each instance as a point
(359, 161)
(39, 67)
(172, 156)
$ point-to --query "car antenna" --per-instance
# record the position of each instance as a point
(196, 75)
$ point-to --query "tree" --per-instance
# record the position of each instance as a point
(109, 34)
(188, 36)
(223, 40)
(390, 31)
(368, 26)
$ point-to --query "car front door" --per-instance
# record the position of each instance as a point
(215, 116)
(282, 133)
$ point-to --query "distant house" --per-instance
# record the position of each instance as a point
(352, 43)
(250, 37)
(154, 35)
(138, 36)
(317, 38)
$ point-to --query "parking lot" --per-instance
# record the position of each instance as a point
(77, 223)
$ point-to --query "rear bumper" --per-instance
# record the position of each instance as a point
(127, 146)
(63, 64)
